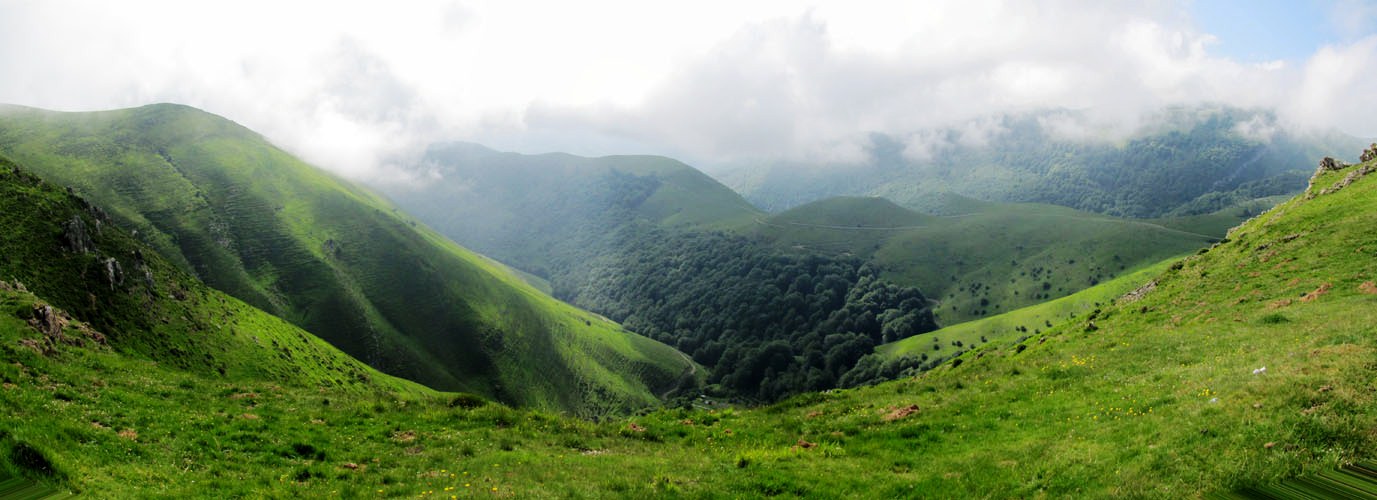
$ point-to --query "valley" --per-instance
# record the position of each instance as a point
(806, 249)
(1239, 366)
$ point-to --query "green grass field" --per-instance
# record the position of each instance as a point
(1245, 365)
(1025, 322)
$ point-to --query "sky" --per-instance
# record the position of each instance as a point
(360, 87)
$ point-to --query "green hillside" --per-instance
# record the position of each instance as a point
(533, 211)
(984, 258)
(846, 212)
(1241, 366)
(247, 218)
(1014, 325)
(115, 291)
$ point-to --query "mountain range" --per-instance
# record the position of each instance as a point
(187, 310)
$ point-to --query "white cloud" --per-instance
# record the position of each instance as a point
(1336, 88)
(355, 86)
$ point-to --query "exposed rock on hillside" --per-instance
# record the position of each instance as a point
(114, 273)
(1330, 165)
(76, 237)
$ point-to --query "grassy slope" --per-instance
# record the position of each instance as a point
(1223, 220)
(154, 310)
(1004, 328)
(998, 254)
(1160, 399)
(251, 220)
(686, 196)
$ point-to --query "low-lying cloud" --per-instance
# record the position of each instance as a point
(357, 88)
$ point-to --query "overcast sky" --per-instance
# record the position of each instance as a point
(351, 86)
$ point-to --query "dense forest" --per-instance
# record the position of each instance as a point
(769, 324)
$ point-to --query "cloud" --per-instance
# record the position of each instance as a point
(358, 87)
(789, 88)
(1336, 88)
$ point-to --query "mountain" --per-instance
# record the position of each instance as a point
(530, 211)
(224, 205)
(1229, 370)
(1185, 161)
(984, 258)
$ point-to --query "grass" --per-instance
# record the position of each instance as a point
(1021, 323)
(337, 260)
(1165, 397)
(982, 259)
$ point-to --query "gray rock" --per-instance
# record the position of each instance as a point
(76, 237)
(1331, 165)
(113, 272)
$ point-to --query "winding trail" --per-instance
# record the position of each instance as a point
(692, 371)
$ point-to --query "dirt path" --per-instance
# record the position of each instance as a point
(692, 371)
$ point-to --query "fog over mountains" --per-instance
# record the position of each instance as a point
(359, 88)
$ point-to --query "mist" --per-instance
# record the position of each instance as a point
(362, 89)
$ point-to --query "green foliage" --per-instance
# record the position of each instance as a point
(767, 324)
(245, 217)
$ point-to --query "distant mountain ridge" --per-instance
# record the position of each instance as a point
(1187, 161)
(523, 209)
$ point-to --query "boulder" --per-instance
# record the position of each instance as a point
(1369, 154)
(47, 320)
(1330, 165)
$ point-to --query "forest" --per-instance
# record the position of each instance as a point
(768, 323)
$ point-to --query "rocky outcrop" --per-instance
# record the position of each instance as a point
(1369, 154)
(76, 236)
(1331, 165)
(114, 273)
(54, 323)
(1349, 179)
(48, 321)
(1139, 293)
(141, 269)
